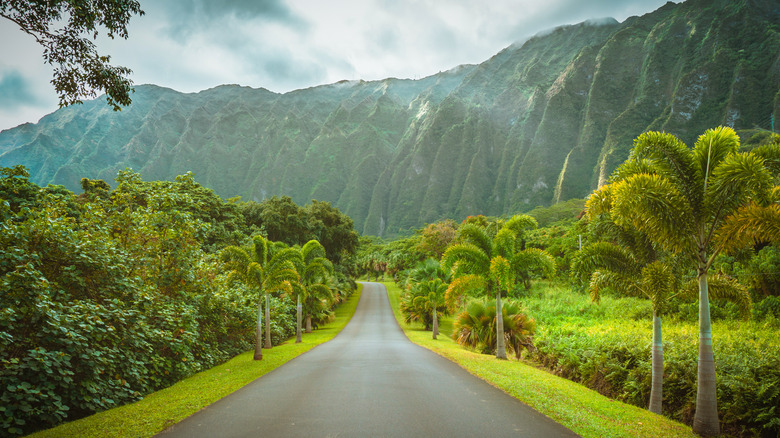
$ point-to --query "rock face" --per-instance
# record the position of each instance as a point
(540, 122)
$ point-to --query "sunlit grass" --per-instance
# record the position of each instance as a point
(582, 410)
(166, 407)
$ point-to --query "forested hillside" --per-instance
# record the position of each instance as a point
(542, 121)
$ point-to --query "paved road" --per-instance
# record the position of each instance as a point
(369, 381)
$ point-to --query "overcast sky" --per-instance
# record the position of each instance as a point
(283, 45)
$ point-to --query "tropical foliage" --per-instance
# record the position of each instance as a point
(475, 327)
(681, 199)
(112, 294)
(423, 302)
(492, 266)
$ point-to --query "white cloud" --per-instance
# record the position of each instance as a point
(191, 45)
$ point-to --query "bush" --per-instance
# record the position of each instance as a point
(475, 327)
(102, 303)
(601, 348)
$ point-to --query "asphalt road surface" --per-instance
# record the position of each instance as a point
(369, 381)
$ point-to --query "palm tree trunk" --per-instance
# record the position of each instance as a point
(298, 312)
(705, 421)
(267, 323)
(656, 391)
(500, 344)
(259, 331)
(308, 323)
(435, 324)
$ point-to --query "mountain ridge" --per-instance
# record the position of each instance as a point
(539, 122)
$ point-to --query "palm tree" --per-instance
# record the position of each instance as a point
(609, 265)
(474, 327)
(423, 302)
(490, 266)
(752, 224)
(316, 275)
(256, 268)
(680, 198)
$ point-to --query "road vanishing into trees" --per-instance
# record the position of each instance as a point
(369, 381)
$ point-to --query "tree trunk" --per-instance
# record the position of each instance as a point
(435, 324)
(308, 323)
(656, 391)
(298, 312)
(500, 345)
(259, 331)
(705, 421)
(267, 323)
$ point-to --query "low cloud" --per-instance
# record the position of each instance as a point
(15, 91)
(282, 45)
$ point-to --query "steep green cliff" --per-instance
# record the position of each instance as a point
(540, 122)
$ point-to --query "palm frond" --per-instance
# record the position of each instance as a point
(633, 166)
(714, 146)
(653, 205)
(477, 236)
(771, 155)
(659, 282)
(255, 274)
(605, 279)
(463, 286)
(750, 225)
(260, 246)
(720, 286)
(738, 179)
(603, 256)
(311, 250)
(504, 243)
(520, 223)
(470, 259)
(320, 292)
(234, 255)
(727, 288)
(599, 202)
(672, 158)
(287, 255)
(501, 272)
(535, 260)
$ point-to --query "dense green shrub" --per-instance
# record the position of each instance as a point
(107, 299)
(475, 327)
(608, 348)
(767, 309)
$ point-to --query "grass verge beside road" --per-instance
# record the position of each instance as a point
(166, 407)
(584, 411)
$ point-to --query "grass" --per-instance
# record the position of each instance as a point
(166, 407)
(584, 411)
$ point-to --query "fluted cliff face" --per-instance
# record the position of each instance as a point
(540, 122)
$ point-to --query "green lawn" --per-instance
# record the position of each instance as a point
(163, 408)
(582, 410)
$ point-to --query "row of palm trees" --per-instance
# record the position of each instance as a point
(303, 274)
(669, 208)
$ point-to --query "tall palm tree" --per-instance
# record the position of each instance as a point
(256, 268)
(315, 272)
(611, 266)
(680, 198)
(490, 266)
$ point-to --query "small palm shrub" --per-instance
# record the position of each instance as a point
(475, 327)
(421, 300)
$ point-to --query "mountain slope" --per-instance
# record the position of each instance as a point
(538, 123)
